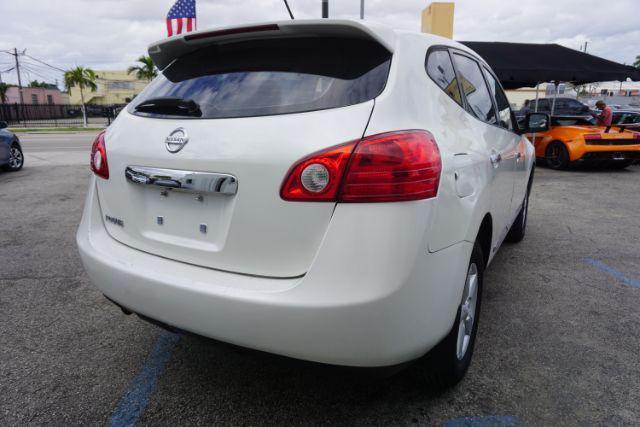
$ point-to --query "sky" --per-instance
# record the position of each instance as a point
(111, 34)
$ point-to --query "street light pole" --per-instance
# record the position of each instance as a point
(325, 8)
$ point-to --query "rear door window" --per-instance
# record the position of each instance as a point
(440, 69)
(268, 77)
(504, 109)
(475, 90)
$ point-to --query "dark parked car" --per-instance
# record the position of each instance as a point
(563, 107)
(11, 157)
(626, 117)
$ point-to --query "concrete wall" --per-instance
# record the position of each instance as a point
(114, 87)
(34, 96)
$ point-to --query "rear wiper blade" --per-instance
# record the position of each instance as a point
(170, 105)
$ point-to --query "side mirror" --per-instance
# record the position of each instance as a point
(536, 122)
(3, 125)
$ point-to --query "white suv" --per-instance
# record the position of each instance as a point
(326, 190)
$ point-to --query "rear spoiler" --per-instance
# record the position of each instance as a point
(164, 52)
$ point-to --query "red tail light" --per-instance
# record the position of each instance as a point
(589, 136)
(98, 161)
(390, 167)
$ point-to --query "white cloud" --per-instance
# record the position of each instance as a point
(111, 34)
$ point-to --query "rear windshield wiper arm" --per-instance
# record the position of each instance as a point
(170, 105)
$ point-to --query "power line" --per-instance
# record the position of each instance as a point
(29, 69)
(44, 63)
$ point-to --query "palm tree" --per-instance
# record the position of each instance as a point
(146, 70)
(83, 78)
(3, 92)
(637, 62)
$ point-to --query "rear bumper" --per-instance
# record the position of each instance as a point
(370, 303)
(584, 152)
(621, 155)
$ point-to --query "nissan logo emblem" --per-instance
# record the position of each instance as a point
(176, 140)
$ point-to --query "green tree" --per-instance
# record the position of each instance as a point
(146, 70)
(3, 92)
(38, 84)
(636, 63)
(84, 78)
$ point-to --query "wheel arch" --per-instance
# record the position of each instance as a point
(485, 236)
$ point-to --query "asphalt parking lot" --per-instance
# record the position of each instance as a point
(558, 339)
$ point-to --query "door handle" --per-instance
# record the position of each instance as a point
(518, 157)
(495, 158)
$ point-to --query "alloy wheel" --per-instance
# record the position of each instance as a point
(467, 312)
(15, 158)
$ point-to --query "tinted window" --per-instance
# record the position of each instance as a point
(574, 104)
(543, 104)
(268, 77)
(475, 89)
(504, 109)
(440, 69)
(630, 119)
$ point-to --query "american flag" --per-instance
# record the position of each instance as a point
(181, 15)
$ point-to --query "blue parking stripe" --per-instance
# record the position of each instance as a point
(613, 272)
(136, 399)
(488, 421)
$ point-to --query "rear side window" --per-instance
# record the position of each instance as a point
(504, 109)
(440, 69)
(268, 77)
(475, 89)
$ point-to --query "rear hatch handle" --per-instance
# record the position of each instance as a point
(181, 180)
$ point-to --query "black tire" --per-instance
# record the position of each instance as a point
(442, 367)
(519, 227)
(16, 158)
(557, 156)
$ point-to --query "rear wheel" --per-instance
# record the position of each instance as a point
(557, 156)
(446, 364)
(16, 158)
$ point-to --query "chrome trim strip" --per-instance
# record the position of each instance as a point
(179, 180)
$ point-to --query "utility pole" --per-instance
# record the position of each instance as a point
(325, 8)
(585, 46)
(361, 9)
(15, 53)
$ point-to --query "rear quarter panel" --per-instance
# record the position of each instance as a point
(412, 100)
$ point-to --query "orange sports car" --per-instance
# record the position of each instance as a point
(564, 144)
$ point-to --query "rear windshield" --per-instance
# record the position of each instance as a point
(268, 77)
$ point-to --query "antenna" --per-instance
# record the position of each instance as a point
(288, 9)
(325, 8)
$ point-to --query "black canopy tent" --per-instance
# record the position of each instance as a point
(525, 64)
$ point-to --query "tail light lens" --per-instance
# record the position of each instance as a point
(98, 161)
(296, 186)
(590, 136)
(390, 167)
